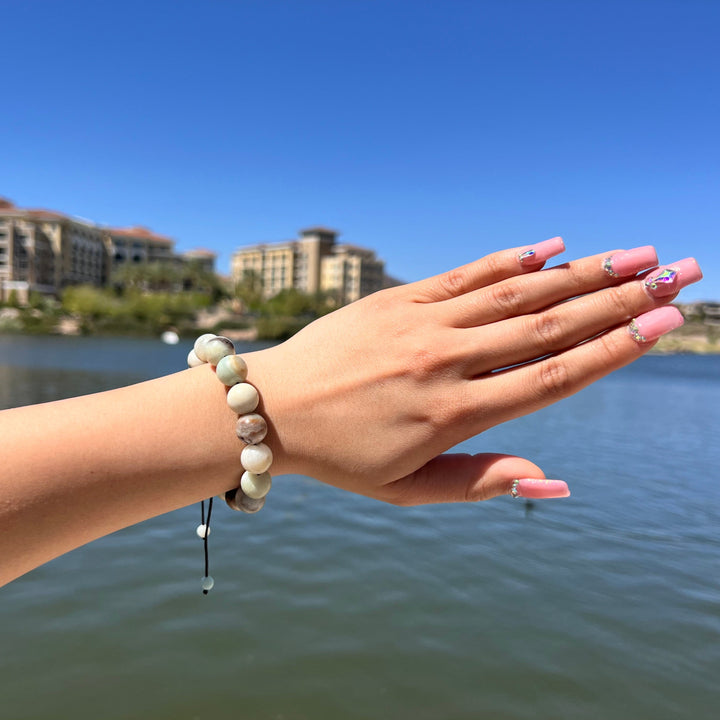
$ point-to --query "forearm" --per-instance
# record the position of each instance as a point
(78, 469)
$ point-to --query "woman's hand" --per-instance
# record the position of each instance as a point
(368, 398)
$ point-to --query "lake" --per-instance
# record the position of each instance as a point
(330, 606)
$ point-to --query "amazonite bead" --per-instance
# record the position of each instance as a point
(238, 500)
(243, 398)
(256, 486)
(193, 360)
(256, 458)
(217, 348)
(231, 370)
(199, 346)
(251, 429)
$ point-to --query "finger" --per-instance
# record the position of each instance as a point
(521, 339)
(469, 478)
(486, 271)
(529, 293)
(528, 337)
(526, 388)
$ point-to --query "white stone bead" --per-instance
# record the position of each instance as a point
(193, 360)
(208, 583)
(243, 398)
(203, 531)
(256, 486)
(217, 348)
(256, 458)
(199, 346)
(231, 370)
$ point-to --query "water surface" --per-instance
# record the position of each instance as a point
(604, 605)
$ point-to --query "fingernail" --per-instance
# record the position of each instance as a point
(668, 279)
(539, 489)
(536, 254)
(651, 325)
(630, 262)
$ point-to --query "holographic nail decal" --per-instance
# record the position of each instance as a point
(666, 276)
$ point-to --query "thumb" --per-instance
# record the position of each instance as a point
(469, 478)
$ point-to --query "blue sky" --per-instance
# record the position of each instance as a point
(434, 132)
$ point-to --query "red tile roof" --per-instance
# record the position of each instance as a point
(141, 233)
(200, 252)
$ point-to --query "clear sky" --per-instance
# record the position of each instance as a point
(433, 132)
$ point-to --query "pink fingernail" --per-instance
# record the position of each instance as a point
(651, 325)
(630, 262)
(539, 489)
(668, 279)
(536, 254)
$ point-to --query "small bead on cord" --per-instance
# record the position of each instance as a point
(251, 428)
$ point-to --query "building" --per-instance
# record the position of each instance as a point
(43, 251)
(314, 262)
(139, 245)
(202, 257)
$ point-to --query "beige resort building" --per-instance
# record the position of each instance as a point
(44, 251)
(314, 262)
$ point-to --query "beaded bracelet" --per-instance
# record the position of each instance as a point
(251, 428)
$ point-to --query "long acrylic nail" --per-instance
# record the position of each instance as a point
(539, 489)
(668, 279)
(536, 254)
(630, 262)
(651, 325)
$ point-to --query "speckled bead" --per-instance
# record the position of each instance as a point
(243, 398)
(238, 500)
(199, 346)
(251, 429)
(231, 370)
(256, 458)
(217, 348)
(193, 360)
(256, 486)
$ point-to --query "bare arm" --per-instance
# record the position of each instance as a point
(366, 399)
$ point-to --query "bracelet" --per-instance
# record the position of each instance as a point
(251, 428)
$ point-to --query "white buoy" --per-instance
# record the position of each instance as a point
(170, 337)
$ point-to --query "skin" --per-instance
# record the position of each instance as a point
(366, 399)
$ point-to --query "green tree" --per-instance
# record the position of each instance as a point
(249, 290)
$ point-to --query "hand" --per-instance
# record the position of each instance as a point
(368, 398)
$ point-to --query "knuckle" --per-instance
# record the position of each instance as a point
(454, 282)
(609, 348)
(548, 329)
(618, 300)
(505, 299)
(554, 378)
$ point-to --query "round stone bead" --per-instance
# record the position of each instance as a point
(251, 429)
(203, 531)
(199, 347)
(243, 398)
(256, 486)
(256, 458)
(231, 370)
(193, 360)
(208, 583)
(238, 500)
(217, 348)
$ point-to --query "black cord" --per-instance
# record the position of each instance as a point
(207, 532)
